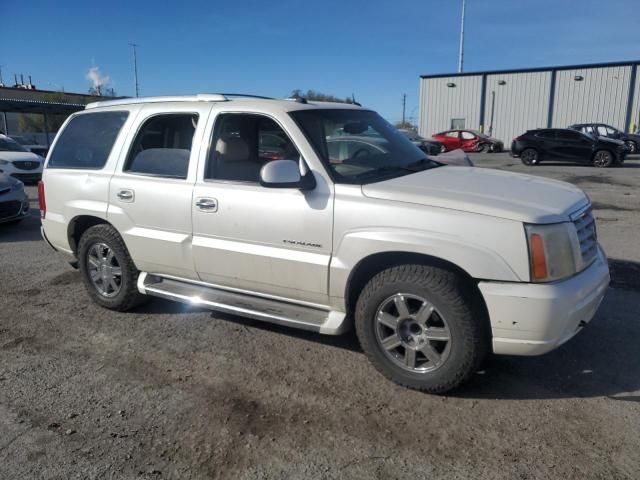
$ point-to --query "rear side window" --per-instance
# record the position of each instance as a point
(87, 140)
(163, 146)
(546, 134)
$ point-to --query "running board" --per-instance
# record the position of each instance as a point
(329, 322)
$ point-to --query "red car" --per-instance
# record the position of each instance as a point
(468, 141)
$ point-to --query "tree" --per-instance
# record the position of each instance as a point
(319, 96)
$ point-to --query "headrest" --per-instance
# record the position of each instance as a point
(232, 149)
(169, 162)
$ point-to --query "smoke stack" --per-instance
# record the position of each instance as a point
(15, 78)
(21, 79)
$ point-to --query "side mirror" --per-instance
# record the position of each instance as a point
(285, 174)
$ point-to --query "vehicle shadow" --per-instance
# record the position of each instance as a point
(560, 163)
(27, 230)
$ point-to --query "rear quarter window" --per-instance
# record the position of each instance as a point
(87, 140)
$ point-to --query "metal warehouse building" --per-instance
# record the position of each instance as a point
(506, 103)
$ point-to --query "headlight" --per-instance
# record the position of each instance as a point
(4, 162)
(554, 251)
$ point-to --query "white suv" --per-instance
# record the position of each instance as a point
(320, 216)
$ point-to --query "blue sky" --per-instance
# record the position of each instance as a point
(373, 49)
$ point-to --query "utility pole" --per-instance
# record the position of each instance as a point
(135, 66)
(404, 105)
(461, 53)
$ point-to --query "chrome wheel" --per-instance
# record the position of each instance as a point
(104, 270)
(631, 145)
(602, 159)
(412, 333)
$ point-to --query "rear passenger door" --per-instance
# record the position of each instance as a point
(151, 191)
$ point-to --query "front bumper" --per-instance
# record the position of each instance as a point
(532, 319)
(14, 207)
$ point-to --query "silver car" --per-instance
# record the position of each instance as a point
(14, 202)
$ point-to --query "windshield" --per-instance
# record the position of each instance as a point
(358, 146)
(9, 145)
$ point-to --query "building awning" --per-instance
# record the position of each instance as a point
(38, 106)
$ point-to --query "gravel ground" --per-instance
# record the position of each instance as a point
(174, 392)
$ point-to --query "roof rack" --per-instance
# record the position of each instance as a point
(201, 97)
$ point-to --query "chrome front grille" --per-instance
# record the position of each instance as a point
(26, 165)
(586, 229)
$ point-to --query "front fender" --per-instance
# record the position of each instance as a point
(479, 261)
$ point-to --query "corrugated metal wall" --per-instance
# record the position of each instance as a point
(521, 104)
(601, 97)
(635, 108)
(439, 104)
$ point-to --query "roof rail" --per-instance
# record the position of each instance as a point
(201, 97)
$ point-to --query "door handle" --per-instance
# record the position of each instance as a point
(207, 204)
(126, 195)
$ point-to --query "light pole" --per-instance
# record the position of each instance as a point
(135, 66)
(461, 52)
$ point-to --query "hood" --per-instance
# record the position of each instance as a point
(7, 181)
(633, 136)
(513, 196)
(27, 156)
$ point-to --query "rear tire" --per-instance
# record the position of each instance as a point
(530, 156)
(602, 159)
(421, 327)
(108, 272)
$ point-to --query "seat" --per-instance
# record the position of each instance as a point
(233, 160)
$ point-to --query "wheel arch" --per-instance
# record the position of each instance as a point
(375, 263)
(80, 224)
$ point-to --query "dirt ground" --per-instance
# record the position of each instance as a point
(174, 392)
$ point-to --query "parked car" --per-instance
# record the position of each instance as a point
(14, 202)
(631, 140)
(17, 161)
(31, 145)
(430, 263)
(347, 148)
(536, 146)
(469, 141)
(430, 147)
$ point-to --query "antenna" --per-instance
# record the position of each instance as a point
(135, 66)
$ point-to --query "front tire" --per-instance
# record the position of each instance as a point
(602, 159)
(530, 156)
(108, 272)
(421, 328)
(632, 146)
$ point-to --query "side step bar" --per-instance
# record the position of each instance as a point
(329, 322)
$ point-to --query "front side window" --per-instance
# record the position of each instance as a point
(467, 136)
(242, 143)
(568, 135)
(602, 130)
(162, 146)
(549, 134)
(87, 140)
(453, 134)
(611, 132)
(358, 146)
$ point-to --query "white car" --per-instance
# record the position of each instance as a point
(436, 266)
(17, 161)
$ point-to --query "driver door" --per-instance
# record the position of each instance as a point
(273, 241)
